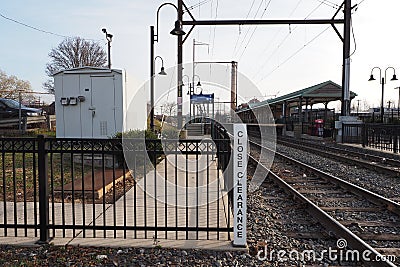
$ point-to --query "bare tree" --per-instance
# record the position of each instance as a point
(170, 108)
(73, 53)
(10, 86)
(366, 105)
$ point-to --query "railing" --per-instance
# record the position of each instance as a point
(48, 120)
(112, 188)
(383, 137)
(352, 133)
(379, 136)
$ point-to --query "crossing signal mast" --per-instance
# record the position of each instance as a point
(345, 38)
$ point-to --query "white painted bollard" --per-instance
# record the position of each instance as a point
(239, 184)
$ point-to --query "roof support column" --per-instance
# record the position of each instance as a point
(300, 109)
(326, 112)
(284, 106)
(306, 113)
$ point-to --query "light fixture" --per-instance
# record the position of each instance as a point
(394, 78)
(162, 72)
(178, 29)
(371, 78)
(109, 37)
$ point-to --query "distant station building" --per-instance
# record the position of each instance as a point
(295, 113)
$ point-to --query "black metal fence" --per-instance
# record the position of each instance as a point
(114, 188)
(379, 136)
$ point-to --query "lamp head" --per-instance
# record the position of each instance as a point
(178, 29)
(198, 83)
(371, 78)
(104, 30)
(162, 72)
(394, 78)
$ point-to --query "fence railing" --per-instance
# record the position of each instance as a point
(379, 136)
(48, 120)
(113, 188)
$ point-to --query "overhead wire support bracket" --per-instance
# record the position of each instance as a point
(262, 22)
(333, 25)
(191, 29)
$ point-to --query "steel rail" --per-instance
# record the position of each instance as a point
(325, 219)
(370, 196)
(341, 158)
(391, 161)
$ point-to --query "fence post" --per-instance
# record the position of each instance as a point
(48, 122)
(395, 136)
(364, 134)
(43, 190)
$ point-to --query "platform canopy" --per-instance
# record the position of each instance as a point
(321, 93)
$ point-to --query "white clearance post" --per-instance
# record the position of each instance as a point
(240, 184)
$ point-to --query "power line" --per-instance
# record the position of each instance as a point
(277, 33)
(212, 44)
(328, 3)
(237, 40)
(295, 53)
(284, 40)
(40, 30)
(248, 29)
(200, 3)
(255, 28)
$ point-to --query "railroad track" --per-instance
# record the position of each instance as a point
(343, 208)
(380, 164)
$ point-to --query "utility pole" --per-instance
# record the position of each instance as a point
(152, 72)
(180, 60)
(345, 110)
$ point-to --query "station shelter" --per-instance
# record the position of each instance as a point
(296, 112)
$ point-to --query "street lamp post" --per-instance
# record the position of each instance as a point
(191, 90)
(109, 37)
(154, 38)
(382, 81)
(162, 72)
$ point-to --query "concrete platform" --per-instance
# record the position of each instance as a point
(125, 243)
(383, 152)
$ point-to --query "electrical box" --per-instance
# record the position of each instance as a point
(92, 103)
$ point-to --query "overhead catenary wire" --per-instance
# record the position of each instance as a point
(254, 30)
(41, 30)
(213, 41)
(328, 3)
(284, 40)
(238, 38)
(247, 30)
(277, 33)
(199, 4)
(294, 54)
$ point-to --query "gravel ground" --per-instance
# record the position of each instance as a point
(373, 181)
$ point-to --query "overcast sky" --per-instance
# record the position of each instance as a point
(278, 59)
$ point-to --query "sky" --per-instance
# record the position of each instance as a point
(278, 59)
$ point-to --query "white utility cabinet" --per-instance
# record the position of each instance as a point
(92, 103)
